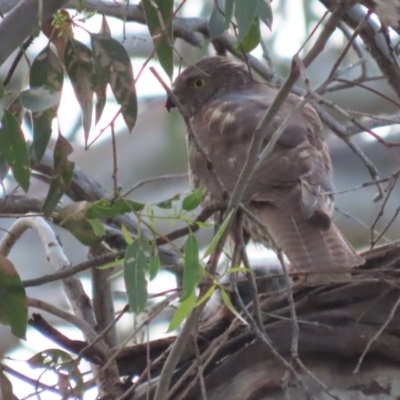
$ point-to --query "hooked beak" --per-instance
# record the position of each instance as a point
(169, 104)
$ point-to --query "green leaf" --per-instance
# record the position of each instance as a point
(41, 128)
(162, 40)
(228, 303)
(111, 264)
(63, 171)
(1, 112)
(252, 39)
(100, 89)
(97, 226)
(100, 82)
(137, 257)
(3, 168)
(154, 266)
(167, 204)
(216, 23)
(1, 89)
(229, 7)
(127, 235)
(184, 309)
(245, 11)
(88, 231)
(193, 200)
(46, 71)
(115, 67)
(238, 269)
(81, 69)
(192, 267)
(13, 309)
(14, 149)
(107, 209)
(206, 295)
(211, 247)
(39, 99)
(264, 12)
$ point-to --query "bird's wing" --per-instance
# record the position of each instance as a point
(298, 168)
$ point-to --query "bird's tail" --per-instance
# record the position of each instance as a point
(310, 246)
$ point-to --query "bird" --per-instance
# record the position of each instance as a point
(289, 195)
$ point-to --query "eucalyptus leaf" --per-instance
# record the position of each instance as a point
(229, 8)
(62, 174)
(81, 69)
(193, 200)
(192, 267)
(252, 39)
(39, 99)
(228, 303)
(161, 31)
(184, 309)
(245, 11)
(46, 71)
(137, 257)
(211, 247)
(264, 12)
(13, 309)
(154, 266)
(114, 66)
(216, 23)
(15, 150)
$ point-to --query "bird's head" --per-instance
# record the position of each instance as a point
(200, 82)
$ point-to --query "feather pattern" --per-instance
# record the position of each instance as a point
(291, 191)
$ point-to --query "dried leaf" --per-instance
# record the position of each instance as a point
(81, 69)
(58, 29)
(114, 66)
(62, 174)
(46, 71)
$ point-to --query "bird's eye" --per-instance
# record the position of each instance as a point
(198, 83)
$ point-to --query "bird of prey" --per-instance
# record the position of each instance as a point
(290, 193)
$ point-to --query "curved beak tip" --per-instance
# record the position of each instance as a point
(169, 104)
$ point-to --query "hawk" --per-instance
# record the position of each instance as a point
(291, 191)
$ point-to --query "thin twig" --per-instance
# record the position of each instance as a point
(376, 336)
